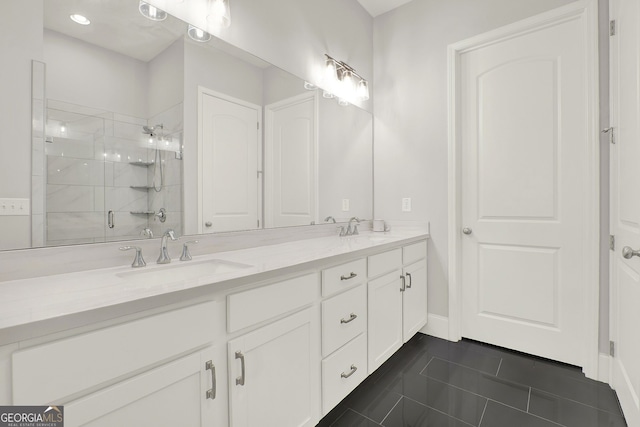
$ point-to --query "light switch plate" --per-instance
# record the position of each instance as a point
(15, 207)
(345, 205)
(406, 204)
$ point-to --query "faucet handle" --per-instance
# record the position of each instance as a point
(343, 231)
(138, 261)
(186, 255)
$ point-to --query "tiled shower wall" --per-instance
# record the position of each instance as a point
(93, 167)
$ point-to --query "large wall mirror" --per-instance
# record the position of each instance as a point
(139, 128)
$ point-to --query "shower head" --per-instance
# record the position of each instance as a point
(151, 130)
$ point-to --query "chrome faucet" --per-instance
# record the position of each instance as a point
(164, 257)
(147, 232)
(353, 231)
(330, 218)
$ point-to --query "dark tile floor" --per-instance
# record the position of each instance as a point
(433, 382)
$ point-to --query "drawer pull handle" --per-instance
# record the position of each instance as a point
(353, 370)
(351, 318)
(404, 284)
(240, 379)
(410, 280)
(211, 393)
(350, 276)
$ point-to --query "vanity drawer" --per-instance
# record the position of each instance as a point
(343, 318)
(414, 252)
(384, 262)
(351, 362)
(338, 278)
(52, 371)
(257, 305)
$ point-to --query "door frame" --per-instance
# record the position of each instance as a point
(202, 90)
(269, 111)
(587, 12)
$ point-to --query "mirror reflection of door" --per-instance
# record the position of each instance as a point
(291, 162)
(229, 138)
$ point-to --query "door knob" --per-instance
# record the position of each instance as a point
(466, 230)
(208, 224)
(628, 253)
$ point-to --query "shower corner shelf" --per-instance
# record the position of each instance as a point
(141, 163)
(142, 212)
(140, 187)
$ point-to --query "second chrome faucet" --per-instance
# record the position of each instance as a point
(164, 257)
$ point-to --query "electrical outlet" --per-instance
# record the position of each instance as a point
(345, 205)
(406, 204)
(14, 207)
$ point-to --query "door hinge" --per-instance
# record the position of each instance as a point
(612, 348)
(612, 27)
(610, 131)
(612, 242)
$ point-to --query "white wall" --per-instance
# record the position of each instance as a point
(410, 69)
(165, 79)
(94, 74)
(20, 42)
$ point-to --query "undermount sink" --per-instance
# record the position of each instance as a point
(178, 272)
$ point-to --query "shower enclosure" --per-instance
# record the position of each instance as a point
(108, 176)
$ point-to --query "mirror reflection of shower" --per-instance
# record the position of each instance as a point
(156, 136)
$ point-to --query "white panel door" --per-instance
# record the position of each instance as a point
(523, 136)
(290, 162)
(274, 374)
(625, 205)
(229, 142)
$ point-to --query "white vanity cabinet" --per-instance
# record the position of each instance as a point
(344, 326)
(160, 370)
(397, 300)
(274, 377)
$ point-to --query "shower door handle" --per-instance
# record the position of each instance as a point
(111, 219)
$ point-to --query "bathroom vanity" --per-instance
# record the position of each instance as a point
(274, 335)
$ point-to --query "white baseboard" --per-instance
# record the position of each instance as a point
(437, 326)
(604, 368)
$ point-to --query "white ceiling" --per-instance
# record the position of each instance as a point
(378, 7)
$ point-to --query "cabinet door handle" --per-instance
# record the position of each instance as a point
(351, 318)
(111, 219)
(240, 379)
(404, 284)
(353, 370)
(350, 276)
(409, 276)
(209, 366)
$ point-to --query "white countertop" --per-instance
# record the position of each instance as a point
(44, 298)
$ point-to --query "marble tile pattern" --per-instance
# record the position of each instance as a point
(44, 298)
(433, 382)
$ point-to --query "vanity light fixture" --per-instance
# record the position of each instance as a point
(342, 81)
(219, 13)
(80, 19)
(151, 12)
(310, 86)
(198, 35)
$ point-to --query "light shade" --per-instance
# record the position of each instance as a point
(219, 13)
(363, 90)
(152, 12)
(198, 35)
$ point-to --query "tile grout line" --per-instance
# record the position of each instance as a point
(499, 366)
(362, 415)
(483, 411)
(391, 410)
(337, 418)
(437, 410)
(460, 364)
(425, 367)
(529, 400)
(578, 402)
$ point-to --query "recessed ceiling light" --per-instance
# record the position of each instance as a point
(198, 35)
(80, 19)
(152, 12)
